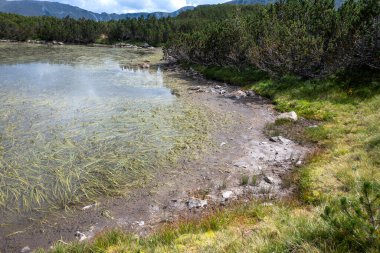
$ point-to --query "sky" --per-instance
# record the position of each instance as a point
(126, 6)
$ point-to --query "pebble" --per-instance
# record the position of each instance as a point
(227, 194)
(269, 180)
(25, 249)
(196, 203)
(81, 236)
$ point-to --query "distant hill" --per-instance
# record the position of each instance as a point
(53, 9)
(45, 8)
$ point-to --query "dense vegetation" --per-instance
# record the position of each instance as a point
(300, 37)
(307, 56)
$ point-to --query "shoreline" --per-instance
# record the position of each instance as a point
(196, 189)
(60, 43)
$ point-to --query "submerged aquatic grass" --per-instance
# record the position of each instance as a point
(66, 162)
(61, 144)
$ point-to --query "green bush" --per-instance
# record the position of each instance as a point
(357, 222)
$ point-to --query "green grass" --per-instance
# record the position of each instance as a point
(346, 108)
(244, 180)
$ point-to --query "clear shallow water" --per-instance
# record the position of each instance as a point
(80, 122)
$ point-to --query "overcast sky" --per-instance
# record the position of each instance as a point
(124, 6)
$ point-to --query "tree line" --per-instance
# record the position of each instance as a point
(308, 38)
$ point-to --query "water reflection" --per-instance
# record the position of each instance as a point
(103, 80)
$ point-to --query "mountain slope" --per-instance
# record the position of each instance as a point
(45, 8)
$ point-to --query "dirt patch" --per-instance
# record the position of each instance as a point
(244, 164)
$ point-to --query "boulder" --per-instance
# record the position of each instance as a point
(288, 115)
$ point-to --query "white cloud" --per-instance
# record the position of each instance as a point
(122, 6)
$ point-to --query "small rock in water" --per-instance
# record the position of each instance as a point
(223, 92)
(222, 144)
(25, 249)
(196, 203)
(269, 180)
(218, 87)
(299, 163)
(227, 194)
(81, 236)
(288, 115)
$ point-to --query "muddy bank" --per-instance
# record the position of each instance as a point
(195, 186)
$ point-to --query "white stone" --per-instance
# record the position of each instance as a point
(196, 203)
(288, 115)
(25, 249)
(81, 236)
(227, 194)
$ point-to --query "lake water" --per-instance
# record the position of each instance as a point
(80, 122)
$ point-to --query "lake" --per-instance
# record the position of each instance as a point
(82, 122)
